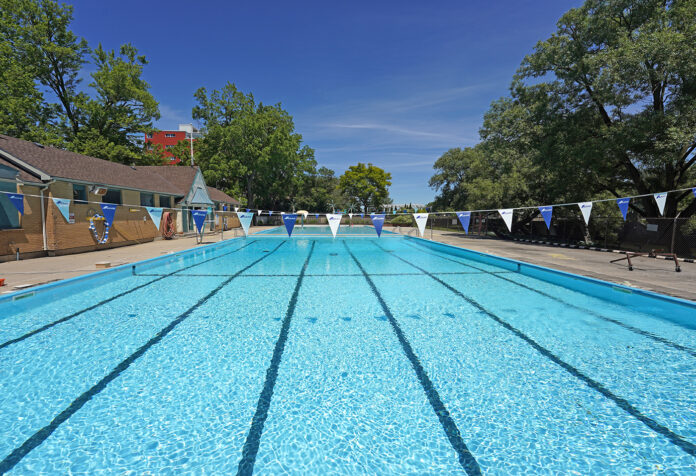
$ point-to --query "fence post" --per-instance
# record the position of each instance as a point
(674, 232)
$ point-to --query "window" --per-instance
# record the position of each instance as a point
(112, 196)
(79, 193)
(169, 135)
(169, 146)
(147, 199)
(9, 215)
(149, 135)
(165, 202)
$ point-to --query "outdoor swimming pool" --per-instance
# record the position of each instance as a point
(351, 355)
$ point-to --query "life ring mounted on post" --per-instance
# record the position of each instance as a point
(92, 227)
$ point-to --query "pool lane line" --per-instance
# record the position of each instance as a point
(628, 327)
(106, 301)
(466, 458)
(622, 403)
(11, 460)
(253, 439)
(314, 275)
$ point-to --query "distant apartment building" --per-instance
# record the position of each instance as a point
(168, 139)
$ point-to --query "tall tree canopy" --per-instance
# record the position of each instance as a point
(41, 59)
(606, 105)
(251, 149)
(366, 186)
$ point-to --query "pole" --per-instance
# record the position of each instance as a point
(674, 232)
(191, 138)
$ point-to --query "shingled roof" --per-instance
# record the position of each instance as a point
(37, 162)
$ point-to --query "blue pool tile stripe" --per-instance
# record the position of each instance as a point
(253, 440)
(40, 436)
(108, 300)
(622, 403)
(466, 458)
(324, 275)
(596, 314)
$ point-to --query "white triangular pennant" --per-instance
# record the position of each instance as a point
(155, 215)
(421, 220)
(245, 221)
(586, 209)
(350, 215)
(506, 213)
(63, 205)
(661, 199)
(334, 220)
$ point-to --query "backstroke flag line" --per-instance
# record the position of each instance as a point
(199, 218)
(109, 210)
(377, 222)
(17, 200)
(661, 199)
(155, 215)
(245, 221)
(547, 212)
(289, 219)
(623, 206)
(334, 220)
(464, 219)
(421, 220)
(506, 213)
(586, 209)
(63, 205)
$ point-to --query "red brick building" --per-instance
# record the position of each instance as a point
(168, 139)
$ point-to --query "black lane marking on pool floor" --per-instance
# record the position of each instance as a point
(628, 327)
(466, 459)
(108, 300)
(253, 439)
(40, 436)
(622, 403)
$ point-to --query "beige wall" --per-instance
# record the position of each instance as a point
(131, 225)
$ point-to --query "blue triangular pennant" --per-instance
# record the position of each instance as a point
(547, 212)
(464, 219)
(63, 205)
(316, 215)
(199, 218)
(17, 200)
(109, 210)
(623, 206)
(377, 222)
(155, 215)
(694, 190)
(362, 215)
(289, 219)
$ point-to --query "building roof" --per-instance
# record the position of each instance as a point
(36, 162)
(63, 164)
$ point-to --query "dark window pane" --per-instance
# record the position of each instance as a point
(112, 196)
(147, 199)
(79, 193)
(9, 216)
(165, 202)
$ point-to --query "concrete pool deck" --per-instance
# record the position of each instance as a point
(651, 274)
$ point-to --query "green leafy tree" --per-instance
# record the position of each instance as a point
(251, 149)
(366, 185)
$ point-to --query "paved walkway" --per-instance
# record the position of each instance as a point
(651, 274)
(648, 273)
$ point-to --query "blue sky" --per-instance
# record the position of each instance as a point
(391, 83)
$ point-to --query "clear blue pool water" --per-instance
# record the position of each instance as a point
(314, 355)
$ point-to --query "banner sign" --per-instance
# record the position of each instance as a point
(350, 216)
(506, 213)
(289, 219)
(245, 221)
(547, 212)
(155, 215)
(17, 200)
(623, 206)
(377, 222)
(260, 212)
(109, 210)
(334, 220)
(362, 215)
(464, 219)
(63, 205)
(661, 199)
(316, 215)
(694, 190)
(199, 218)
(236, 209)
(586, 209)
(421, 220)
